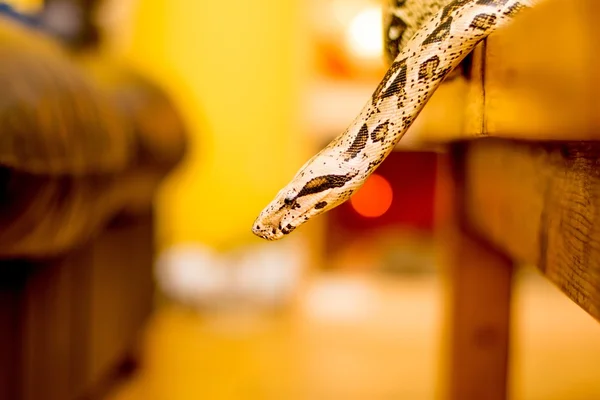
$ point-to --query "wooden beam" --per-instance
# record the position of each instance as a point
(478, 287)
(541, 74)
(535, 79)
(540, 203)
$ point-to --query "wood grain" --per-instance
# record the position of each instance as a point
(540, 203)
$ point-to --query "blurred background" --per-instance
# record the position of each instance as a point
(351, 306)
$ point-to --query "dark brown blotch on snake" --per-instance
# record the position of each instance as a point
(359, 143)
(515, 9)
(380, 132)
(324, 182)
(495, 3)
(396, 88)
(428, 69)
(483, 21)
(452, 7)
(321, 204)
(440, 33)
(394, 68)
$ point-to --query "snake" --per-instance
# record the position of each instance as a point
(402, 19)
(430, 42)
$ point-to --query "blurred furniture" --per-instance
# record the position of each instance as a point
(83, 147)
(520, 182)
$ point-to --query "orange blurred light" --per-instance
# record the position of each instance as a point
(374, 198)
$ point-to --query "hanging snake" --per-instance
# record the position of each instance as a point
(430, 38)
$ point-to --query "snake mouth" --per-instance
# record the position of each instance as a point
(275, 225)
(267, 232)
(272, 233)
(268, 236)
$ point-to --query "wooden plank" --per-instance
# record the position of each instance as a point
(541, 74)
(531, 80)
(478, 280)
(48, 345)
(12, 280)
(541, 204)
(121, 293)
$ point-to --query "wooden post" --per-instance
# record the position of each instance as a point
(478, 279)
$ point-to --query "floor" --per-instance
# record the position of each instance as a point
(358, 336)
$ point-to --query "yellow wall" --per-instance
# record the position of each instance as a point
(236, 68)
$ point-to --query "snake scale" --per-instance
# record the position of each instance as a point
(443, 34)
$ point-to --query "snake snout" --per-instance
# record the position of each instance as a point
(266, 229)
(267, 233)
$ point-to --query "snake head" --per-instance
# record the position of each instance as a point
(302, 199)
(276, 220)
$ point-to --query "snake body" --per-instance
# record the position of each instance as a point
(330, 177)
(403, 18)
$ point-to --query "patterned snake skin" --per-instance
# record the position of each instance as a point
(402, 19)
(446, 32)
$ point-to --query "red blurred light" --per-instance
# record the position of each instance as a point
(374, 198)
